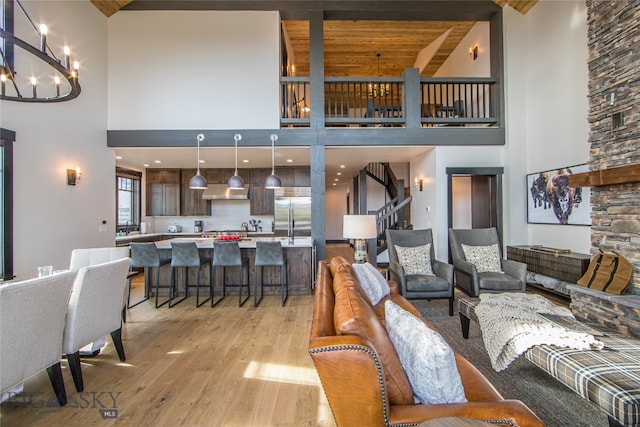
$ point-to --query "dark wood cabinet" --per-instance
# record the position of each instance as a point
(301, 176)
(163, 192)
(294, 176)
(568, 267)
(191, 202)
(168, 192)
(260, 200)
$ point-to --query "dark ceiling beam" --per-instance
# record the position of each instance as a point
(422, 10)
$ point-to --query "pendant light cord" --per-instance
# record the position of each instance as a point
(199, 138)
(274, 138)
(237, 137)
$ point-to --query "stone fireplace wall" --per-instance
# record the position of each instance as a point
(614, 68)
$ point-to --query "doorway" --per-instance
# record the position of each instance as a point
(475, 198)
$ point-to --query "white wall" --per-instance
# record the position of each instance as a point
(461, 194)
(546, 67)
(335, 209)
(50, 217)
(194, 70)
(545, 61)
(461, 64)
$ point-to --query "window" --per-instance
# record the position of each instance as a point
(127, 199)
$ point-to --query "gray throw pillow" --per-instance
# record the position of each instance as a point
(485, 258)
(373, 283)
(416, 260)
(425, 356)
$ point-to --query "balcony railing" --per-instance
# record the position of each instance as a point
(457, 101)
(357, 102)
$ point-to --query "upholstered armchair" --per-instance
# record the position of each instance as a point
(478, 262)
(32, 314)
(94, 311)
(413, 266)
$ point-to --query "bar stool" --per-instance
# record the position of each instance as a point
(227, 254)
(147, 256)
(269, 253)
(186, 254)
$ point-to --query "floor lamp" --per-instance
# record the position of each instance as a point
(360, 228)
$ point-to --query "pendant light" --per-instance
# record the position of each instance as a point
(236, 180)
(198, 182)
(273, 181)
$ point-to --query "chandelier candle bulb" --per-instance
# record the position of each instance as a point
(56, 80)
(3, 83)
(34, 83)
(67, 52)
(43, 38)
(76, 69)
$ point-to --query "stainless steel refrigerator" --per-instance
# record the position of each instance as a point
(292, 211)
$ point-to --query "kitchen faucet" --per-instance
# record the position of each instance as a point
(126, 226)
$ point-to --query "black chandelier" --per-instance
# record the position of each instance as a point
(15, 87)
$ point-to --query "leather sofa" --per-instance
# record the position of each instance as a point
(364, 382)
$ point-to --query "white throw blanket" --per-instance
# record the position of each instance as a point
(511, 325)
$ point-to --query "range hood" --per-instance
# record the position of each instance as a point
(223, 192)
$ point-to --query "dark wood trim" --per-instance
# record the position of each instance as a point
(7, 139)
(411, 10)
(490, 171)
(627, 174)
(291, 137)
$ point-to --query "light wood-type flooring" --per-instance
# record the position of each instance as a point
(221, 366)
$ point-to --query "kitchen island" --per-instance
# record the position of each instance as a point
(299, 253)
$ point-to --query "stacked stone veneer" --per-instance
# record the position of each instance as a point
(614, 67)
(618, 312)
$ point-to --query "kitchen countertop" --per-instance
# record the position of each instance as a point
(248, 243)
(138, 236)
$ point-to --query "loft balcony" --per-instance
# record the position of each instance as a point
(393, 102)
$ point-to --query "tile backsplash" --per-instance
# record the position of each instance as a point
(225, 215)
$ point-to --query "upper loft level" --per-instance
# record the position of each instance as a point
(362, 102)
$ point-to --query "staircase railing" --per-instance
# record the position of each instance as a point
(388, 217)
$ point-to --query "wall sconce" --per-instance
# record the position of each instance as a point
(73, 176)
(473, 52)
(418, 183)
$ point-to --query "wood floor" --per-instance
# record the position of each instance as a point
(221, 366)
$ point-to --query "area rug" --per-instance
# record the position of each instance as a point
(552, 402)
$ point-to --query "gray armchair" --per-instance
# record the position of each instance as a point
(418, 286)
(512, 279)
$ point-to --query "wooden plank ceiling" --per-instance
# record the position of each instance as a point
(351, 46)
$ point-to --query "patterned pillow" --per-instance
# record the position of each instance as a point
(485, 258)
(415, 259)
(373, 283)
(425, 356)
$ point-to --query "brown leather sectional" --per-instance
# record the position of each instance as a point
(361, 374)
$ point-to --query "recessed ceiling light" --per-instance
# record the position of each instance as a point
(157, 161)
(201, 161)
(118, 157)
(289, 160)
(334, 183)
(146, 165)
(336, 179)
(342, 166)
(339, 173)
(245, 161)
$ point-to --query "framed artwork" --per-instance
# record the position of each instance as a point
(551, 201)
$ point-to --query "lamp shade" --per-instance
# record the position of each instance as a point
(236, 181)
(197, 182)
(359, 227)
(272, 181)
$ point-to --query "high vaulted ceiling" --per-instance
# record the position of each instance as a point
(350, 46)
